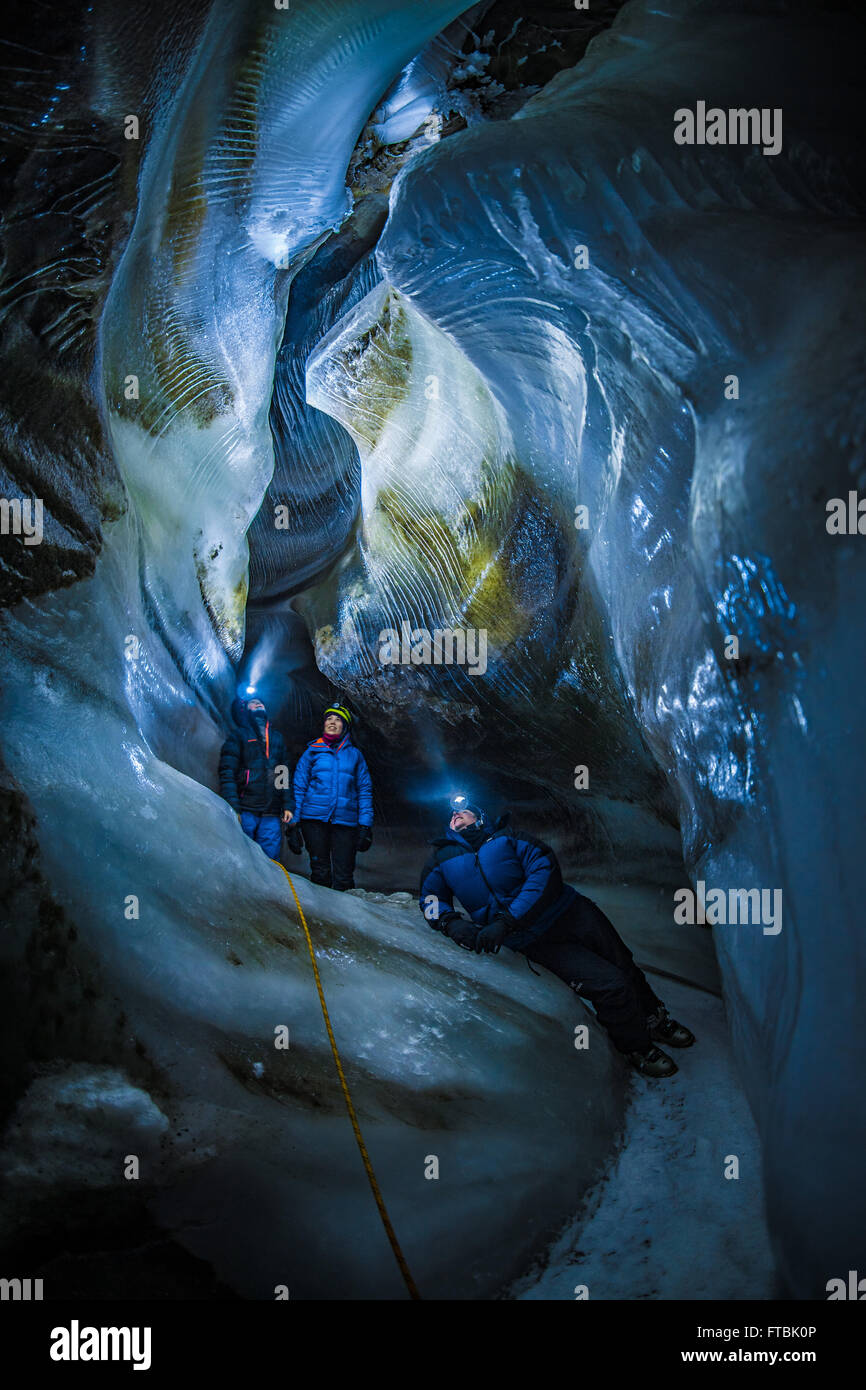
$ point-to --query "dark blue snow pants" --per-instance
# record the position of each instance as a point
(585, 950)
(267, 831)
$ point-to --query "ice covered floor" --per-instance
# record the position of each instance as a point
(664, 1223)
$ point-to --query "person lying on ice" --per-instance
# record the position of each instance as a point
(512, 888)
(334, 801)
(254, 775)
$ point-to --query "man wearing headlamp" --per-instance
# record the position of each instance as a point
(511, 886)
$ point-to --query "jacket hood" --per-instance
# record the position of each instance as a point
(472, 835)
(242, 716)
(454, 837)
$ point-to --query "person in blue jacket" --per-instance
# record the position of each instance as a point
(511, 886)
(334, 802)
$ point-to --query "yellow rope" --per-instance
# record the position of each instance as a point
(380, 1203)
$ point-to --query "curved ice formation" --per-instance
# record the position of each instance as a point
(245, 171)
(159, 942)
(599, 285)
(491, 382)
(257, 1170)
(412, 98)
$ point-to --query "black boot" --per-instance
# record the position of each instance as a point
(665, 1029)
(653, 1062)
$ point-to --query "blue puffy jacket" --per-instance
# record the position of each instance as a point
(332, 783)
(509, 875)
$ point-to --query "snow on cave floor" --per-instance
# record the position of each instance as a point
(663, 1222)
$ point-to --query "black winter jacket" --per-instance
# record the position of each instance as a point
(251, 766)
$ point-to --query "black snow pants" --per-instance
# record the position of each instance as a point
(332, 853)
(585, 950)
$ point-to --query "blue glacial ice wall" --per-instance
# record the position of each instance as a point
(156, 949)
(598, 377)
(490, 382)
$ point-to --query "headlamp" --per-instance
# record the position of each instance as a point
(460, 802)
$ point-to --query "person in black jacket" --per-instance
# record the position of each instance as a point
(512, 888)
(254, 775)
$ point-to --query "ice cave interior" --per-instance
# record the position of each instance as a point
(326, 318)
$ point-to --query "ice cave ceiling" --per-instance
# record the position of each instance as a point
(336, 270)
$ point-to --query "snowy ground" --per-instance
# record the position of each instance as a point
(664, 1222)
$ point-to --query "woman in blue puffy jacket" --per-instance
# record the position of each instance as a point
(334, 802)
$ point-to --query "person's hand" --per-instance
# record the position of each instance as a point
(461, 930)
(287, 816)
(491, 937)
(365, 838)
(441, 921)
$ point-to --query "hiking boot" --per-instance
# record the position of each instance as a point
(653, 1062)
(665, 1029)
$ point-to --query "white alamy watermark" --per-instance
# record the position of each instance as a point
(77, 1343)
(854, 1289)
(729, 907)
(846, 518)
(21, 1290)
(443, 646)
(22, 516)
(737, 126)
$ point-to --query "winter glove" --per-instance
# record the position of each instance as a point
(491, 937)
(440, 922)
(294, 839)
(365, 838)
(461, 930)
